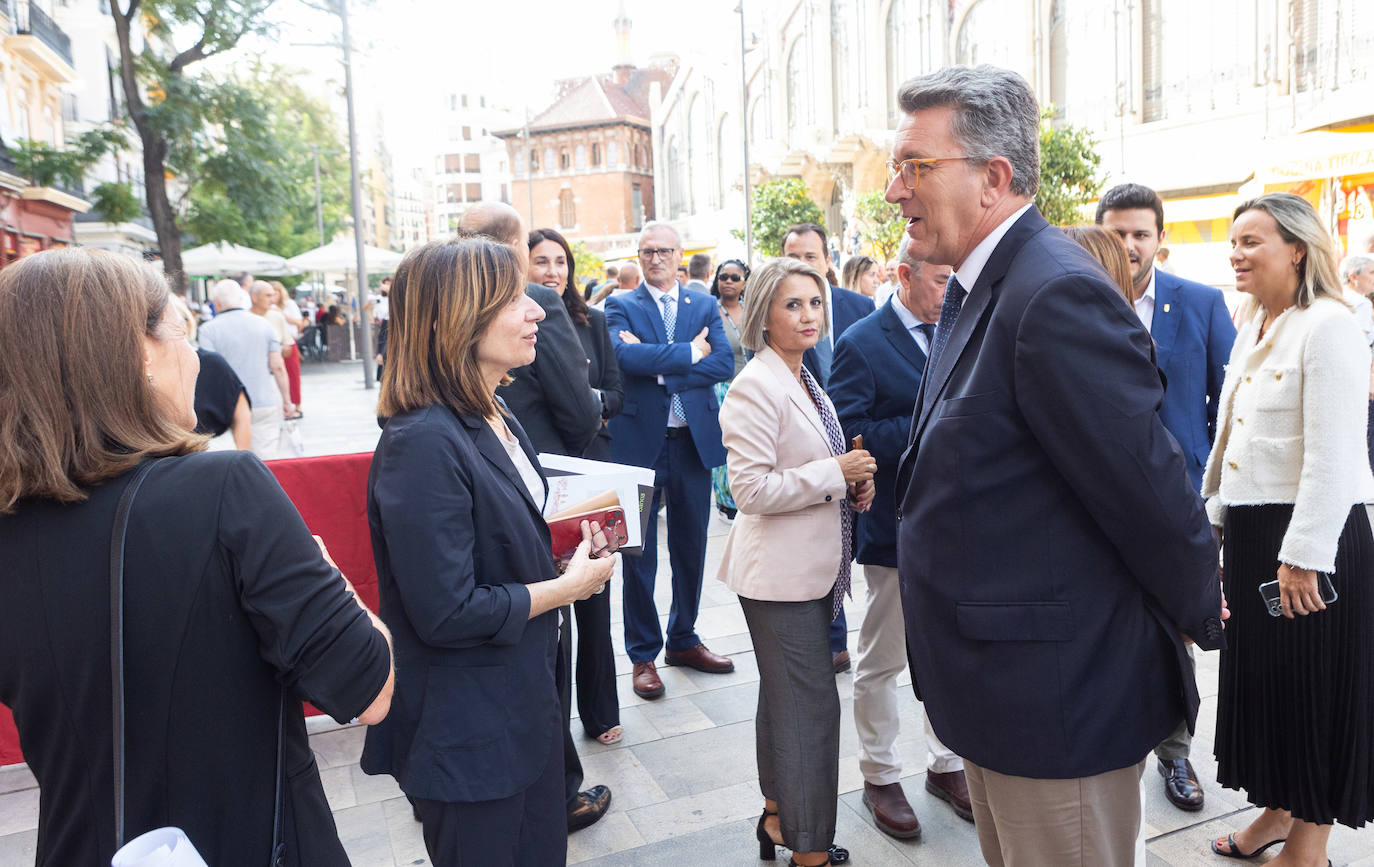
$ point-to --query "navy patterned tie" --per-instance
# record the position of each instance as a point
(670, 328)
(928, 329)
(949, 312)
(832, 433)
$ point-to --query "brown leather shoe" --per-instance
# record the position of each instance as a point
(645, 681)
(840, 661)
(951, 788)
(1180, 784)
(891, 811)
(701, 659)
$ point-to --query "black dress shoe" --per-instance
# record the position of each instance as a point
(1180, 784)
(588, 807)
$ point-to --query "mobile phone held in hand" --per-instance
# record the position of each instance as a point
(1273, 599)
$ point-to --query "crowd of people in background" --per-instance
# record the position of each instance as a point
(1039, 445)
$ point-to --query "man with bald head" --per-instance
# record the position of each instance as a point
(551, 398)
(670, 343)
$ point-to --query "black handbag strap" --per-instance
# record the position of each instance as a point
(117, 537)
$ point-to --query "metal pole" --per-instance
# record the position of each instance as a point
(744, 137)
(364, 320)
(319, 198)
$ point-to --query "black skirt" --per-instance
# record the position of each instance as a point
(1295, 710)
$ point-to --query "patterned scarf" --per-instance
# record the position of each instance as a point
(832, 433)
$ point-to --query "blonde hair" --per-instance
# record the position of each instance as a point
(444, 296)
(762, 286)
(1299, 224)
(1106, 247)
(76, 406)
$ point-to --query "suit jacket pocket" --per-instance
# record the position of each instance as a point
(1015, 621)
(971, 404)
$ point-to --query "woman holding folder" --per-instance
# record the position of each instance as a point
(789, 551)
(465, 572)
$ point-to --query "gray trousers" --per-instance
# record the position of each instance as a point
(797, 728)
(1178, 744)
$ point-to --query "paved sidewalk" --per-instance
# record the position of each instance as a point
(684, 780)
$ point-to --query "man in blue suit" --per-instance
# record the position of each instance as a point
(1193, 333)
(878, 367)
(671, 346)
(1053, 554)
(807, 242)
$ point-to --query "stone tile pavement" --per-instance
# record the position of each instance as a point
(684, 780)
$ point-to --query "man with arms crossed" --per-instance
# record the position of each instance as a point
(877, 372)
(1053, 554)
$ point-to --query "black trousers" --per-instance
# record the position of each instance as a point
(572, 765)
(597, 702)
(528, 829)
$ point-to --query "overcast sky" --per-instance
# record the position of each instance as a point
(409, 53)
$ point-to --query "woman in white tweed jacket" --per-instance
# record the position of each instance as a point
(1287, 483)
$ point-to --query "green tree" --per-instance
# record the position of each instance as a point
(45, 165)
(1069, 165)
(116, 202)
(880, 224)
(171, 108)
(780, 203)
(589, 263)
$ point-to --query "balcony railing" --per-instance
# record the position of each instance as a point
(30, 19)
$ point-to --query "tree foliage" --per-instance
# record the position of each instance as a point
(1068, 171)
(45, 165)
(589, 263)
(881, 224)
(115, 202)
(778, 204)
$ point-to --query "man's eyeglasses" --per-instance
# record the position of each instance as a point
(910, 170)
(657, 252)
(730, 278)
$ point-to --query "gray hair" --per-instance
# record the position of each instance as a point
(995, 114)
(226, 294)
(1355, 265)
(762, 286)
(656, 225)
(904, 256)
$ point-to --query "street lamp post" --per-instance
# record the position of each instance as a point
(744, 137)
(364, 320)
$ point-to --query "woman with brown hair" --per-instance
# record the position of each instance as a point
(1106, 247)
(861, 274)
(230, 614)
(465, 571)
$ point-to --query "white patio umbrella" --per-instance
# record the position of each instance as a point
(342, 255)
(222, 258)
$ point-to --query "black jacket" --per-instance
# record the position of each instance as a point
(604, 374)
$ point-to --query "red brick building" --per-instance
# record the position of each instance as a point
(584, 165)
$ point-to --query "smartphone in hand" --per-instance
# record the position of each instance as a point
(1273, 599)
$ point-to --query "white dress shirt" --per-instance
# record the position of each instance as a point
(972, 267)
(1145, 305)
(910, 323)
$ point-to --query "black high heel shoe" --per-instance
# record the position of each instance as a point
(768, 850)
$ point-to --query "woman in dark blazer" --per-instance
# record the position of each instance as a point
(467, 580)
(552, 265)
(229, 609)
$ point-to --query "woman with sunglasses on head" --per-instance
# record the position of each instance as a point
(728, 287)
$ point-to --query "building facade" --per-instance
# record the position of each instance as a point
(474, 165)
(35, 67)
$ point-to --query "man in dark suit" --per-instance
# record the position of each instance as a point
(1193, 333)
(1052, 552)
(551, 397)
(554, 401)
(671, 346)
(877, 372)
(807, 242)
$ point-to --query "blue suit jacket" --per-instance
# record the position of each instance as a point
(1193, 334)
(1050, 543)
(873, 384)
(456, 537)
(848, 307)
(637, 433)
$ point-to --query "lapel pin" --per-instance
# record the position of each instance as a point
(686, 300)
(1166, 308)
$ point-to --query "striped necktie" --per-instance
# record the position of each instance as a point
(670, 329)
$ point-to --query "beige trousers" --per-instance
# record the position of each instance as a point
(1024, 822)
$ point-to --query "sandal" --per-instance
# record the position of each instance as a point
(611, 735)
(1233, 851)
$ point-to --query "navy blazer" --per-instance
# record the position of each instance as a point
(456, 537)
(637, 433)
(873, 384)
(1050, 543)
(847, 308)
(1193, 334)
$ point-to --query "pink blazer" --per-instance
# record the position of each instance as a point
(785, 542)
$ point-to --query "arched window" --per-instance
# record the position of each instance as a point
(567, 212)
(534, 161)
(549, 163)
(696, 160)
(677, 194)
(596, 155)
(796, 60)
(728, 157)
(612, 154)
(519, 167)
(842, 65)
(564, 159)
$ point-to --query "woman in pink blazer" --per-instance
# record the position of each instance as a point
(789, 553)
